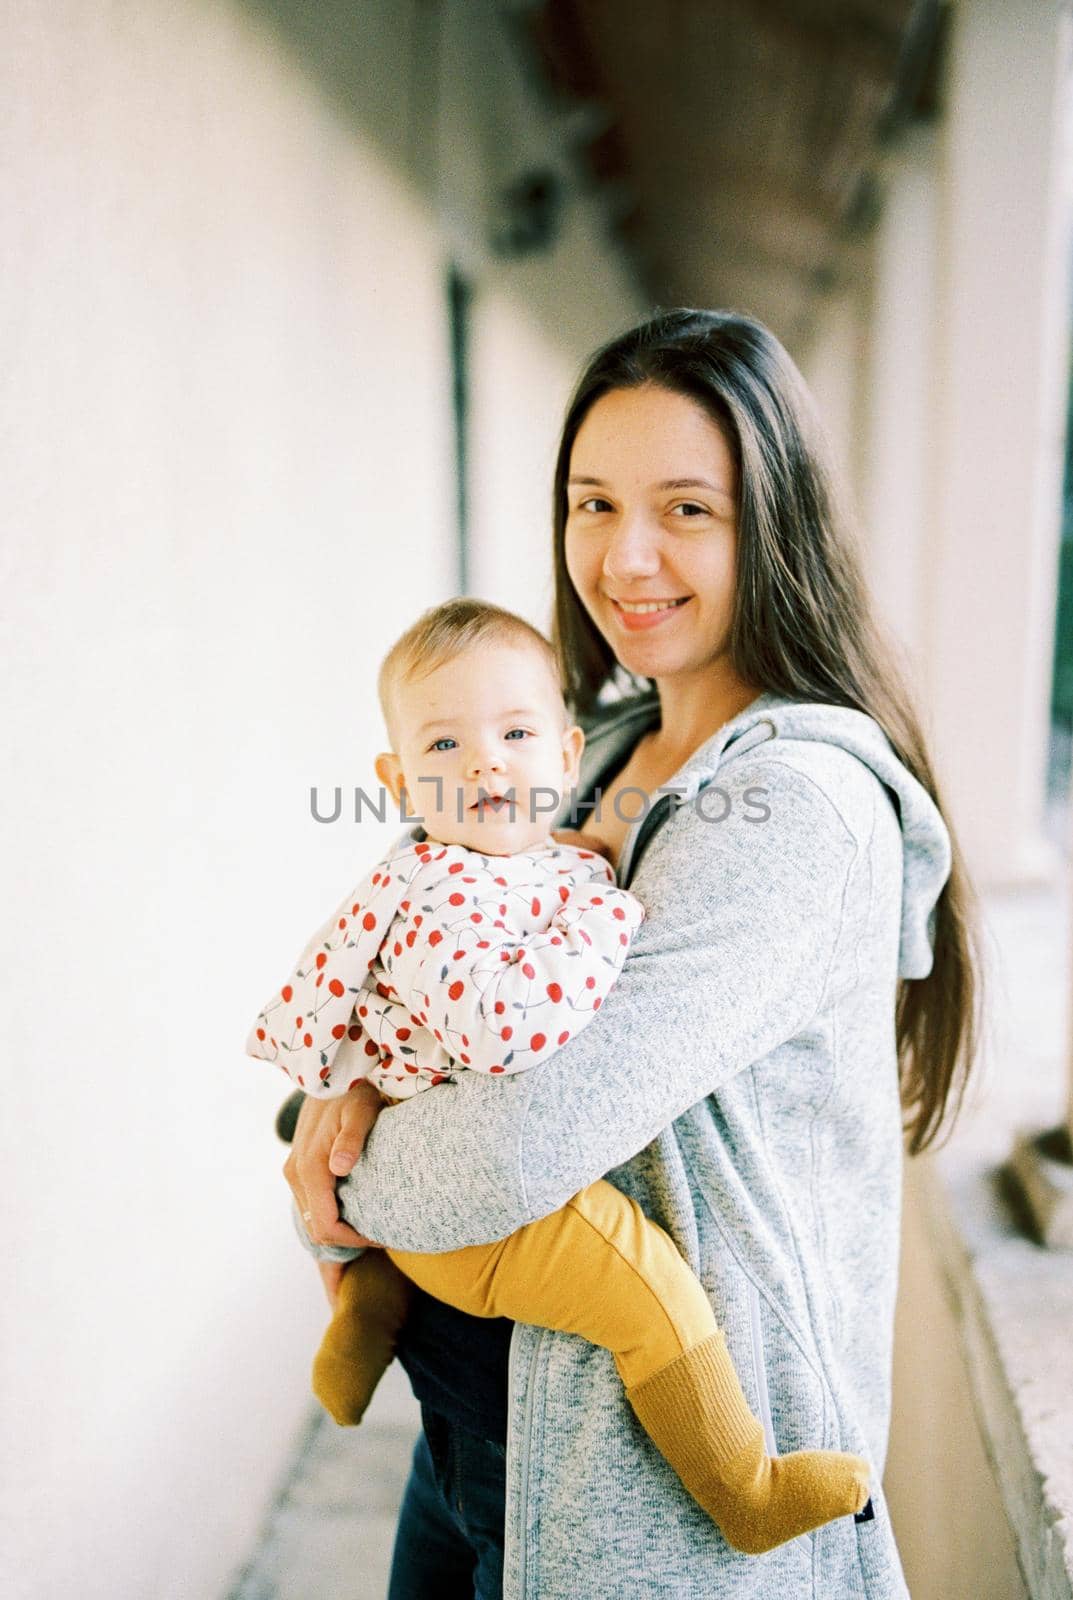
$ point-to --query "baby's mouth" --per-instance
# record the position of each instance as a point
(494, 802)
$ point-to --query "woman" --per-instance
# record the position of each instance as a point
(806, 963)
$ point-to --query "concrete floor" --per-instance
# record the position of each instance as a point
(329, 1534)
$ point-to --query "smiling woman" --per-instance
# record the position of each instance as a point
(795, 987)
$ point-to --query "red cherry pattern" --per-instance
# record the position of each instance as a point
(554, 932)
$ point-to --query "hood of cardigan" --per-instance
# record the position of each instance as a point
(926, 855)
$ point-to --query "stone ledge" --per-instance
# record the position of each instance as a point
(1012, 1296)
(1014, 1305)
(1042, 1163)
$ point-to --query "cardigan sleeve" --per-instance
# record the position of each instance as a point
(733, 963)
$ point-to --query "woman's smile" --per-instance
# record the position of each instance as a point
(645, 614)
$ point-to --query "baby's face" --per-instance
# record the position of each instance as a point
(489, 722)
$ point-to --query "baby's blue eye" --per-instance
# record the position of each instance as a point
(519, 730)
(445, 740)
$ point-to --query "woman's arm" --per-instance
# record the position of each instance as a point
(732, 962)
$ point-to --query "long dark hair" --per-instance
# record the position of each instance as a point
(803, 626)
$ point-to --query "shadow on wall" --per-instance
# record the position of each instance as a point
(448, 99)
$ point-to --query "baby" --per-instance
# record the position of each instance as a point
(480, 943)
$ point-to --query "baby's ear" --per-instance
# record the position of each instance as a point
(573, 745)
(388, 769)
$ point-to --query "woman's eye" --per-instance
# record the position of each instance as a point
(691, 505)
(593, 500)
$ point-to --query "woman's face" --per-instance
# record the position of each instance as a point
(652, 497)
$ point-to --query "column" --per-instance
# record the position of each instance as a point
(999, 418)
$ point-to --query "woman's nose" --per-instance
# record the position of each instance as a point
(632, 550)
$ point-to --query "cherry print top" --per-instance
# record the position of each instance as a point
(443, 958)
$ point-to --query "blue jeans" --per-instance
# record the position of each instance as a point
(449, 1539)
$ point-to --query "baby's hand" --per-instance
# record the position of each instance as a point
(331, 1273)
(583, 841)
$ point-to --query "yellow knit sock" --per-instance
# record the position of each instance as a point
(696, 1415)
(359, 1343)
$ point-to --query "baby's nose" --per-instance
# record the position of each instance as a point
(485, 761)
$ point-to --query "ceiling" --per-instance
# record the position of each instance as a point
(739, 142)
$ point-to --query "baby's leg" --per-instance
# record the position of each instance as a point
(359, 1343)
(600, 1268)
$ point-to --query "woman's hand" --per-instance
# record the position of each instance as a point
(329, 1136)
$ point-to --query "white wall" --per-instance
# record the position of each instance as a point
(225, 425)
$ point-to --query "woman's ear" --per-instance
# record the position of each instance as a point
(573, 745)
(388, 769)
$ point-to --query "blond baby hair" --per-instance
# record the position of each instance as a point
(443, 632)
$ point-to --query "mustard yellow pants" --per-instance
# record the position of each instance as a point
(600, 1268)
